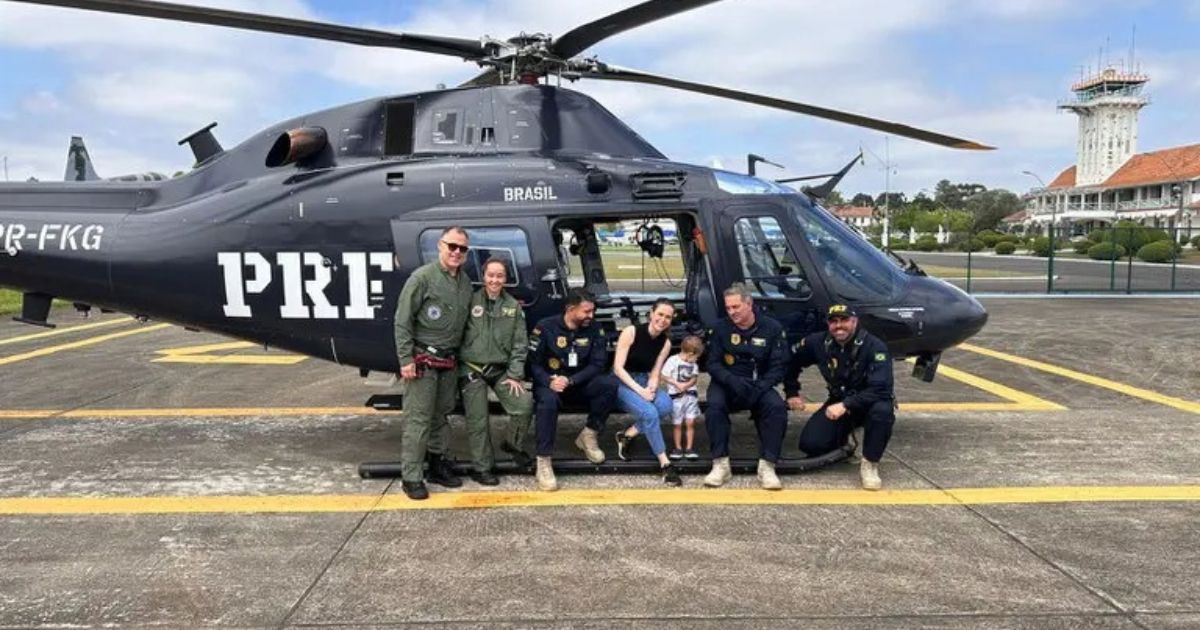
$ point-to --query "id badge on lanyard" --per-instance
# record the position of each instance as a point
(572, 359)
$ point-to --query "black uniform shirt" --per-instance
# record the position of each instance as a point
(858, 374)
(551, 344)
(748, 361)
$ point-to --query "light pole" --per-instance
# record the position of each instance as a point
(1050, 232)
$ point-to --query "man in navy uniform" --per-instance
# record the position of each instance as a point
(568, 358)
(747, 358)
(858, 372)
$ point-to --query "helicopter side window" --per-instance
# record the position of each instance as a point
(506, 243)
(769, 267)
(445, 126)
(857, 271)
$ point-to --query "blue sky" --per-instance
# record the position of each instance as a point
(991, 71)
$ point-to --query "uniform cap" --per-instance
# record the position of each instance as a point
(841, 310)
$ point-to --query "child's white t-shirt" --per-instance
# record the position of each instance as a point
(680, 370)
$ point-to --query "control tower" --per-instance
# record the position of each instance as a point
(1107, 104)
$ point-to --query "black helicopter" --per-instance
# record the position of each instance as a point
(302, 236)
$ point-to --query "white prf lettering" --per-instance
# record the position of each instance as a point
(235, 292)
(293, 283)
(361, 287)
(508, 194)
(236, 287)
(315, 288)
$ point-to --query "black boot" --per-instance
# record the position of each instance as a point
(415, 490)
(485, 477)
(671, 475)
(520, 458)
(441, 471)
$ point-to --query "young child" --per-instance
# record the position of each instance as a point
(680, 373)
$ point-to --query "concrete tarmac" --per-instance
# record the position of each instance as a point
(1050, 484)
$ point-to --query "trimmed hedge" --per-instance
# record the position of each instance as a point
(1005, 248)
(1040, 246)
(1082, 247)
(926, 243)
(1106, 251)
(1157, 252)
(989, 238)
(973, 245)
(1196, 243)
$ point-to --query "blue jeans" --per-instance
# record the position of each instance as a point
(647, 415)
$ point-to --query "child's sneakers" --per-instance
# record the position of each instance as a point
(675, 454)
(690, 454)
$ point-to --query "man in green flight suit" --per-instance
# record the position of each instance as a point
(430, 316)
(493, 356)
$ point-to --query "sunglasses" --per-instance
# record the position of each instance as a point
(455, 247)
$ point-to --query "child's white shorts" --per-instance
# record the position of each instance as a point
(685, 407)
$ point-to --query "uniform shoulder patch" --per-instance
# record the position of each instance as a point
(880, 356)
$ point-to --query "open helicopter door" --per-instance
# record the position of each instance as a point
(761, 248)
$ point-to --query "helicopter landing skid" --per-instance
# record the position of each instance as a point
(579, 466)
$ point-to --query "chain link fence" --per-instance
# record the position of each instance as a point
(1126, 258)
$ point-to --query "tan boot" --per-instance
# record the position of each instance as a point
(856, 438)
(767, 476)
(590, 446)
(545, 474)
(869, 471)
(719, 474)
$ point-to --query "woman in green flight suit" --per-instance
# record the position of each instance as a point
(493, 357)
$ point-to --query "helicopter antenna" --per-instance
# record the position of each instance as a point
(822, 191)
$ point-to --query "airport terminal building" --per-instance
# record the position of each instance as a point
(1110, 181)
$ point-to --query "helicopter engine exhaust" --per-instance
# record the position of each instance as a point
(297, 145)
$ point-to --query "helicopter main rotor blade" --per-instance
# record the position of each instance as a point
(614, 73)
(583, 37)
(453, 46)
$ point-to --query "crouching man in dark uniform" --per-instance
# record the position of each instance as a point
(747, 358)
(858, 372)
(569, 363)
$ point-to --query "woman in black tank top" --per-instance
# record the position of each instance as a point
(641, 352)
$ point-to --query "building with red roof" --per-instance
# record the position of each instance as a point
(1110, 180)
(861, 217)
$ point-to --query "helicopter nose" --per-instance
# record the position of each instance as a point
(952, 316)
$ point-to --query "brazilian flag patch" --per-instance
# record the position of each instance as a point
(879, 356)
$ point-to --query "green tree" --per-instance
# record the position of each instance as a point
(862, 199)
(928, 222)
(954, 195)
(894, 199)
(834, 199)
(989, 206)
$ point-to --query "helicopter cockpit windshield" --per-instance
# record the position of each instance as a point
(855, 270)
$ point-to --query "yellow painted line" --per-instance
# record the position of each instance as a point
(1128, 390)
(164, 412)
(14, 506)
(200, 354)
(83, 343)
(66, 330)
(1016, 399)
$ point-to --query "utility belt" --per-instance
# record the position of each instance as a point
(691, 392)
(490, 373)
(434, 358)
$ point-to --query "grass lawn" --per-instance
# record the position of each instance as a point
(10, 302)
(961, 272)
